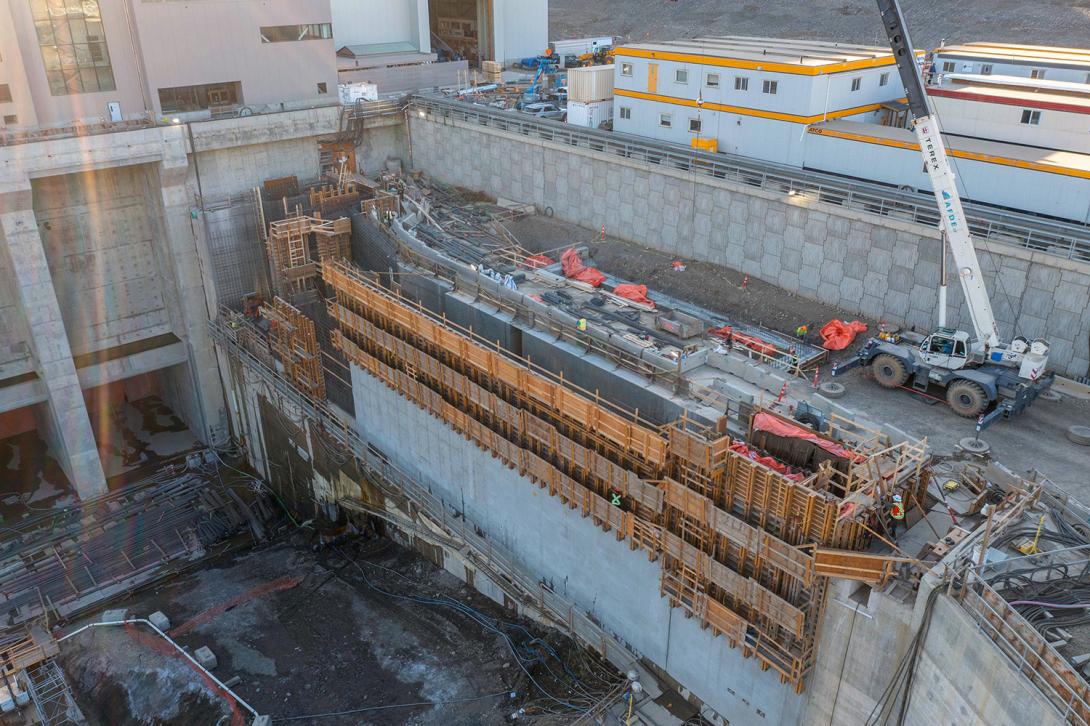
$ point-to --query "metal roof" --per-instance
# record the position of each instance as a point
(809, 53)
(1041, 54)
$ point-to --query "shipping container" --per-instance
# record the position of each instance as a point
(591, 115)
(587, 85)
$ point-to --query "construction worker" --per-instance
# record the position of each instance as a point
(801, 331)
(615, 497)
(896, 514)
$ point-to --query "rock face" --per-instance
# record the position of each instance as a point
(128, 676)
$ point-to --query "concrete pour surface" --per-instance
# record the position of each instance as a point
(307, 636)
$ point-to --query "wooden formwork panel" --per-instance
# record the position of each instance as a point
(758, 543)
(629, 435)
(746, 591)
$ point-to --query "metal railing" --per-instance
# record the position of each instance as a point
(1069, 240)
(486, 552)
(1027, 649)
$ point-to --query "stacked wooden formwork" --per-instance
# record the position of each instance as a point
(295, 245)
(735, 538)
(295, 344)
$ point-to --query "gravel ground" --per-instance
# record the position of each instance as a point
(1045, 22)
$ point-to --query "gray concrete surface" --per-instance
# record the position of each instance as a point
(617, 586)
(879, 267)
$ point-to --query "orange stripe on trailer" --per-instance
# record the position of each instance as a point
(972, 155)
(746, 111)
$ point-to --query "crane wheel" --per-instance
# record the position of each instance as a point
(889, 371)
(966, 398)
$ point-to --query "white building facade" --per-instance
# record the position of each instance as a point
(753, 96)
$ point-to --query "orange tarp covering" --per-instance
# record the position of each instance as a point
(779, 427)
(739, 447)
(574, 268)
(636, 293)
(536, 262)
(839, 334)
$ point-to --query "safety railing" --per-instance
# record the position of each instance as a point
(1069, 240)
(1028, 650)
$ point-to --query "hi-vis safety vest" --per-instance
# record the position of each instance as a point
(897, 511)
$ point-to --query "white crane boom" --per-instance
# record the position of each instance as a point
(927, 130)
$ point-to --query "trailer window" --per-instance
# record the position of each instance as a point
(1031, 117)
(626, 69)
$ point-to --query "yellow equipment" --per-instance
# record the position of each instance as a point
(710, 145)
(1029, 547)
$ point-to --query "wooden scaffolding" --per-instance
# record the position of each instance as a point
(295, 344)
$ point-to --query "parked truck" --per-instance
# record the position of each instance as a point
(982, 376)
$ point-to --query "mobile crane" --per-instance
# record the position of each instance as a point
(984, 378)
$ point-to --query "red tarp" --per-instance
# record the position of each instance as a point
(536, 262)
(740, 448)
(839, 334)
(574, 268)
(779, 427)
(636, 293)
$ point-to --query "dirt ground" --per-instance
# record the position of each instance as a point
(323, 633)
(1045, 22)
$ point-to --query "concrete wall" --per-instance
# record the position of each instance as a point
(362, 22)
(875, 266)
(187, 44)
(101, 232)
(963, 677)
(618, 586)
(521, 28)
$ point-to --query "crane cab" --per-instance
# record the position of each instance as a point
(946, 348)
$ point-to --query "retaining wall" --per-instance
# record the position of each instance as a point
(879, 267)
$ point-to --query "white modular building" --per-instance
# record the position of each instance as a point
(751, 96)
(1037, 62)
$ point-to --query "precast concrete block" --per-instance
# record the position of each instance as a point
(812, 257)
(821, 403)
(751, 373)
(737, 393)
(114, 616)
(793, 238)
(776, 221)
(851, 292)
(901, 279)
(796, 216)
(896, 435)
(831, 270)
(883, 238)
(206, 657)
(1037, 303)
(1043, 277)
(758, 207)
(791, 259)
(879, 260)
(1072, 297)
(159, 620)
(739, 211)
(816, 232)
(839, 227)
(828, 292)
(897, 304)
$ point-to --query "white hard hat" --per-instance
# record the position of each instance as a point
(896, 497)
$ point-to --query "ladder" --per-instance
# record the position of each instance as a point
(52, 696)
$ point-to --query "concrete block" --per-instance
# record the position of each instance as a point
(114, 616)
(737, 393)
(1037, 302)
(262, 721)
(821, 403)
(206, 657)
(752, 374)
(1044, 277)
(159, 620)
(896, 435)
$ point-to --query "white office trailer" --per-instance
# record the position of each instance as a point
(589, 84)
(1037, 62)
(590, 114)
(1016, 141)
(579, 46)
(749, 96)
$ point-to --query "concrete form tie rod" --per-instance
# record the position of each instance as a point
(164, 636)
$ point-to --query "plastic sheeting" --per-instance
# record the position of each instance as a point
(574, 269)
(739, 447)
(536, 262)
(779, 427)
(635, 293)
(839, 334)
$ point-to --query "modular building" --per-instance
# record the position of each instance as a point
(1004, 59)
(752, 96)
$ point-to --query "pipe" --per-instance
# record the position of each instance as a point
(164, 636)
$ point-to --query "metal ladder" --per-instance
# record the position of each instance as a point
(52, 696)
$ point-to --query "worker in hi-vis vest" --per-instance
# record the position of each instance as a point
(896, 513)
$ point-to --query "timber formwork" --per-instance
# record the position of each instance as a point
(735, 538)
(294, 342)
(295, 247)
